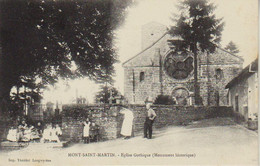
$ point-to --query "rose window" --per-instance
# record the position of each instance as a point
(178, 66)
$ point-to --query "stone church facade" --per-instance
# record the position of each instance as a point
(160, 70)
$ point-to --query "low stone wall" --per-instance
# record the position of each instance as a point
(104, 116)
(177, 115)
(110, 121)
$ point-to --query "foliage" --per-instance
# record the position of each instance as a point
(83, 111)
(198, 30)
(164, 99)
(31, 90)
(231, 47)
(106, 92)
(26, 91)
(197, 26)
(41, 39)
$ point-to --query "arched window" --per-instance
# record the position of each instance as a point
(141, 76)
(219, 74)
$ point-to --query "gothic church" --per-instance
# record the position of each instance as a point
(159, 70)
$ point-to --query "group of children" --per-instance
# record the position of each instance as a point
(90, 131)
(49, 133)
(37, 133)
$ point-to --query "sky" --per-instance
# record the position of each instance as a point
(241, 27)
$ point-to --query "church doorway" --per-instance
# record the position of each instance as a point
(181, 95)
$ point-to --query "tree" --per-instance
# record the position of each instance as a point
(31, 92)
(42, 38)
(199, 30)
(106, 94)
(231, 47)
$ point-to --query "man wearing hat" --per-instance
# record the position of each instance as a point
(150, 116)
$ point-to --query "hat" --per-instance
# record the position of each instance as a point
(148, 100)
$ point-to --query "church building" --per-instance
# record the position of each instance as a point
(160, 70)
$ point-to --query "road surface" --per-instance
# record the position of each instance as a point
(216, 141)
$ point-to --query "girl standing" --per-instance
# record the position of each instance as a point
(86, 131)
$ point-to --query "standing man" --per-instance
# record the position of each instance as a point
(150, 116)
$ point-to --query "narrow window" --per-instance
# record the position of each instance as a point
(141, 76)
(219, 74)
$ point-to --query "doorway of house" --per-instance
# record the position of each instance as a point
(236, 104)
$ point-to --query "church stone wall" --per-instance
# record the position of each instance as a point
(214, 71)
(137, 90)
(212, 82)
(212, 85)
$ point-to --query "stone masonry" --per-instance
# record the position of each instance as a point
(145, 76)
(109, 120)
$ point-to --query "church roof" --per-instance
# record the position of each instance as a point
(148, 50)
(145, 50)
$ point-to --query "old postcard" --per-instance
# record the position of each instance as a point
(129, 82)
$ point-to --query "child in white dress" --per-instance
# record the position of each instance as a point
(86, 131)
(12, 134)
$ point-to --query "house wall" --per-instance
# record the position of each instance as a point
(253, 96)
(241, 91)
(247, 92)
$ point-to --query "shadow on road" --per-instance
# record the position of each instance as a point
(213, 122)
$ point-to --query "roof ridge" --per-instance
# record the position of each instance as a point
(230, 53)
(146, 48)
(163, 36)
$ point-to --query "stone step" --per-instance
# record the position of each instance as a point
(8, 144)
(13, 144)
(51, 144)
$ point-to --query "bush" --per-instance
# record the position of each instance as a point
(164, 99)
